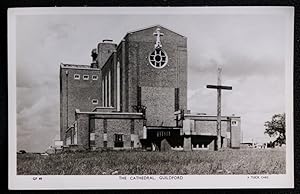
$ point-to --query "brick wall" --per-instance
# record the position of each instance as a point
(207, 127)
(77, 94)
(203, 125)
(83, 128)
(110, 127)
(160, 105)
(139, 73)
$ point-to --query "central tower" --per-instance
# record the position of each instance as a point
(156, 60)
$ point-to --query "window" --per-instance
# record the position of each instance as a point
(95, 77)
(95, 101)
(158, 59)
(118, 86)
(163, 133)
(103, 94)
(176, 99)
(106, 91)
(105, 144)
(132, 144)
(109, 89)
(234, 123)
(76, 76)
(85, 77)
(119, 140)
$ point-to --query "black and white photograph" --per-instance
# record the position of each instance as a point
(118, 98)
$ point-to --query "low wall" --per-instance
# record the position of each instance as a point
(109, 129)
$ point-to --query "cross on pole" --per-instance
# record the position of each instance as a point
(219, 87)
(158, 34)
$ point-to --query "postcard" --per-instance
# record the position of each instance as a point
(150, 97)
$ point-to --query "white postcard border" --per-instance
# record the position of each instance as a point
(27, 182)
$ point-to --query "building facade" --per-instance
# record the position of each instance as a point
(134, 95)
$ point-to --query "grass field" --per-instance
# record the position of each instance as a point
(264, 161)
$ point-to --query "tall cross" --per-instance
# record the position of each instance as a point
(158, 34)
(219, 87)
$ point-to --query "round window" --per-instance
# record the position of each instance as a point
(158, 58)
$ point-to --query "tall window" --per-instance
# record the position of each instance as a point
(103, 96)
(176, 99)
(106, 91)
(118, 86)
(109, 89)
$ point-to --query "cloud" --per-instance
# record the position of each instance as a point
(37, 118)
(255, 99)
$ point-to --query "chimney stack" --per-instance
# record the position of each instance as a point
(105, 49)
(94, 55)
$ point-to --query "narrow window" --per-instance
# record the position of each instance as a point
(176, 99)
(85, 77)
(95, 101)
(76, 76)
(139, 95)
(95, 77)
(118, 86)
(109, 89)
(103, 95)
(106, 91)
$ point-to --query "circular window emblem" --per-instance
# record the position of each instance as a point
(158, 58)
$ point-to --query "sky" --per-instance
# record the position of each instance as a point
(250, 48)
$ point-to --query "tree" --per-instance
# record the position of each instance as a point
(276, 128)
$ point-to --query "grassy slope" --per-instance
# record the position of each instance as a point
(121, 162)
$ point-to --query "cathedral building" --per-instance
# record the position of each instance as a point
(134, 95)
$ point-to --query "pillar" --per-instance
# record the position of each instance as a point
(187, 143)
